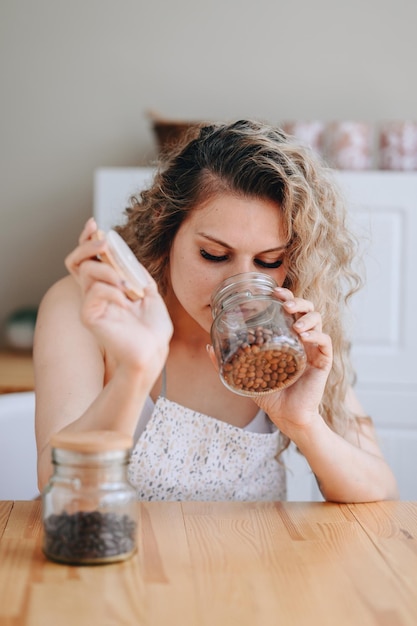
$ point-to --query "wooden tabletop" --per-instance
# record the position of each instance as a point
(223, 564)
(16, 372)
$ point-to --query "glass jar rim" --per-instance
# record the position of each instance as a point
(233, 284)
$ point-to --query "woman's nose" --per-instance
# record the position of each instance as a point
(242, 266)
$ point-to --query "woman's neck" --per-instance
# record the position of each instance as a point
(186, 330)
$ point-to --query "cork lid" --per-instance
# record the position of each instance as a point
(123, 260)
(92, 441)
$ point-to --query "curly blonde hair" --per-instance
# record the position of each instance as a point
(253, 159)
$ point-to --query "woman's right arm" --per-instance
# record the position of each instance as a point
(84, 323)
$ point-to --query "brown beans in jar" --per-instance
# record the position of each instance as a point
(256, 364)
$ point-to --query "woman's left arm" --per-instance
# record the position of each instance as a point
(350, 468)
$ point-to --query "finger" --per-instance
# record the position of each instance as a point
(212, 357)
(90, 227)
(308, 321)
(98, 300)
(291, 303)
(318, 346)
(87, 250)
(283, 294)
(298, 305)
(92, 271)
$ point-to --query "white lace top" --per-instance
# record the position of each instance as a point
(182, 454)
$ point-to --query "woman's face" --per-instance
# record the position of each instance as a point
(225, 236)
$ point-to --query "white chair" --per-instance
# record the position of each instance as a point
(18, 479)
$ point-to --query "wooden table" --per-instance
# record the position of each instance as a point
(16, 372)
(223, 564)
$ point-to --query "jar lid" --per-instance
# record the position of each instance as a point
(91, 441)
(122, 258)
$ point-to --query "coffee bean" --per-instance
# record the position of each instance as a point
(254, 364)
(88, 537)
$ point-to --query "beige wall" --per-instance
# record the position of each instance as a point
(77, 76)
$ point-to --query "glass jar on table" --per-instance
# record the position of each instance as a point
(89, 507)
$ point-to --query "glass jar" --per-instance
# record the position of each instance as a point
(256, 348)
(89, 508)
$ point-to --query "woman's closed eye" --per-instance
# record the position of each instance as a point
(224, 257)
(270, 266)
(211, 257)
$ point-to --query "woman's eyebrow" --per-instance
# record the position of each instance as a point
(229, 247)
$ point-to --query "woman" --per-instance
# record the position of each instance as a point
(237, 198)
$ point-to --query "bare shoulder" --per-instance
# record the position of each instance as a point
(61, 294)
(58, 319)
(59, 329)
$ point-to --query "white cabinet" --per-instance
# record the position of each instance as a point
(383, 211)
